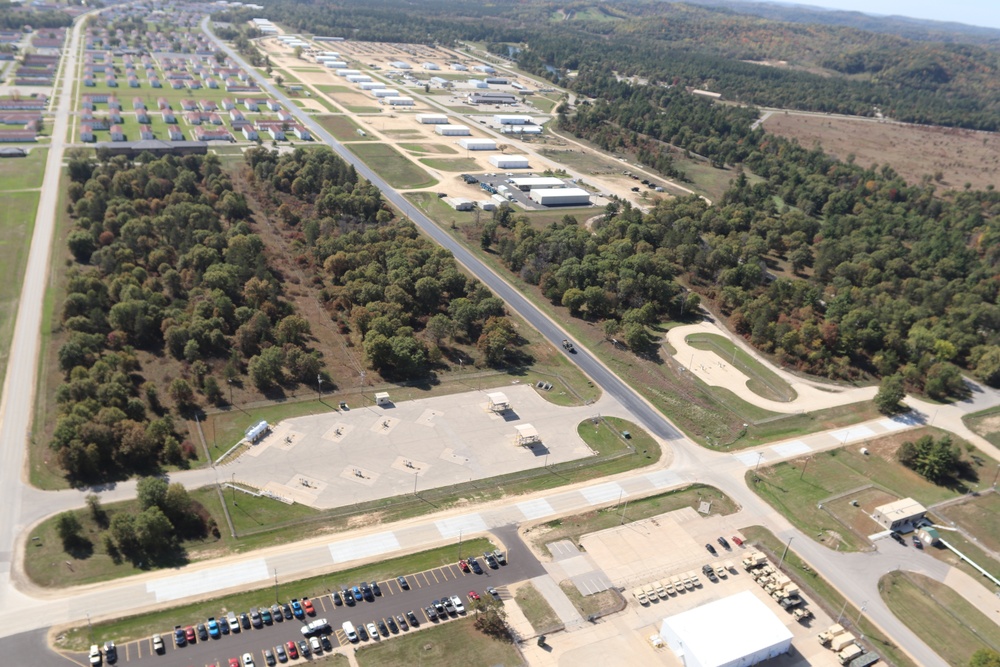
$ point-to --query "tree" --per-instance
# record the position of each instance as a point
(97, 511)
(498, 334)
(491, 617)
(151, 492)
(890, 394)
(154, 532)
(181, 392)
(265, 368)
(69, 527)
(123, 530)
(988, 366)
(212, 391)
(440, 327)
(985, 657)
(292, 329)
(278, 80)
(936, 460)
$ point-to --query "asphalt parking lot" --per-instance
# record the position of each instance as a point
(424, 588)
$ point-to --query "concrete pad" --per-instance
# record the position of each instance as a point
(359, 475)
(208, 580)
(535, 509)
(384, 425)
(852, 434)
(427, 418)
(286, 439)
(591, 582)
(562, 550)
(663, 479)
(468, 524)
(449, 455)
(338, 431)
(749, 459)
(793, 448)
(895, 423)
(603, 493)
(364, 547)
(577, 565)
(401, 462)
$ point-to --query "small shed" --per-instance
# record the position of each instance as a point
(382, 398)
(900, 514)
(527, 434)
(258, 431)
(498, 401)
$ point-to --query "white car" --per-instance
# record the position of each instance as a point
(457, 601)
(372, 631)
(247, 660)
(95, 655)
(316, 626)
(315, 645)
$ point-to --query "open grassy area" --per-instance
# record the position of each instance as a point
(798, 488)
(392, 166)
(978, 515)
(940, 616)
(821, 592)
(578, 525)
(452, 164)
(598, 603)
(342, 128)
(455, 644)
(23, 173)
(606, 436)
(986, 424)
(538, 612)
(970, 549)
(763, 381)
(17, 223)
(143, 625)
(443, 149)
(795, 425)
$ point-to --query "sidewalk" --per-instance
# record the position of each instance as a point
(560, 604)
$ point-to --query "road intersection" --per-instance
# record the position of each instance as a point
(24, 608)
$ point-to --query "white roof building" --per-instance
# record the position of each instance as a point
(534, 182)
(478, 144)
(452, 130)
(895, 515)
(509, 161)
(737, 631)
(432, 118)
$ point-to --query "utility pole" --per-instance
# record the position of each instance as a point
(276, 585)
(624, 507)
(233, 487)
(760, 457)
(319, 386)
(230, 382)
(808, 459)
(785, 552)
(415, 473)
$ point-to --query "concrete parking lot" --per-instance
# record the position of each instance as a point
(361, 454)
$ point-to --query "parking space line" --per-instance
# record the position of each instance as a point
(434, 574)
(444, 573)
(426, 580)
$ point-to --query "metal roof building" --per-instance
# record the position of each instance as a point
(560, 197)
(525, 183)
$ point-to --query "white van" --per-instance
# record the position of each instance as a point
(349, 631)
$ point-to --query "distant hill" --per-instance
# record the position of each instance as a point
(910, 28)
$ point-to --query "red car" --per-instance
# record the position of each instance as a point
(473, 595)
(233, 662)
(308, 606)
(293, 652)
(189, 634)
(463, 565)
(737, 541)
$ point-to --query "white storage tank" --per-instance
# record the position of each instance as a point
(560, 197)
(509, 161)
(432, 118)
(478, 144)
(452, 130)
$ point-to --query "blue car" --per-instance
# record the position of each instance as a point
(297, 609)
(213, 628)
(357, 594)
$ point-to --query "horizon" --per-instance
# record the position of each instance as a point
(979, 13)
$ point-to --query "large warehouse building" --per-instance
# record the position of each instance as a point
(525, 183)
(432, 118)
(737, 631)
(560, 197)
(505, 119)
(509, 161)
(478, 144)
(452, 130)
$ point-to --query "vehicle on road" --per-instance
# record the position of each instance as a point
(293, 651)
(372, 630)
(158, 646)
(725, 545)
(110, 652)
(711, 550)
(569, 346)
(319, 625)
(403, 583)
(492, 591)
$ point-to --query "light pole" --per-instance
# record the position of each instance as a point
(785, 552)
(864, 606)
(276, 585)
(415, 473)
(230, 382)
(995, 476)
(760, 457)
(804, 465)
(319, 386)
(362, 387)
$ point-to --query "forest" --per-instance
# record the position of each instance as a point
(830, 68)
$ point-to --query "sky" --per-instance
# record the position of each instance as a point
(973, 12)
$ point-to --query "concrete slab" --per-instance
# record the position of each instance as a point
(208, 580)
(562, 550)
(364, 547)
(663, 479)
(591, 582)
(852, 434)
(793, 448)
(604, 493)
(467, 524)
(535, 509)
(749, 459)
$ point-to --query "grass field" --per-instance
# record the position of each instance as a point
(456, 644)
(952, 627)
(441, 149)
(342, 128)
(578, 525)
(825, 595)
(763, 381)
(453, 164)
(797, 488)
(143, 625)
(392, 166)
(17, 222)
(978, 515)
(986, 424)
(23, 173)
(538, 612)
(598, 603)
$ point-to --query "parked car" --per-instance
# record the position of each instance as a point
(95, 655)
(158, 646)
(277, 614)
(314, 645)
(457, 601)
(725, 545)
(401, 622)
(265, 615)
(384, 630)
(474, 564)
(325, 641)
(348, 597)
(189, 634)
(412, 618)
(279, 651)
(490, 560)
(738, 541)
(110, 652)
(362, 633)
(500, 556)
(899, 538)
(403, 583)
(356, 591)
(492, 591)
(286, 611)
(202, 632)
(372, 630)
(464, 566)
(293, 651)
(711, 550)
(255, 618)
(337, 601)
(303, 648)
(319, 625)
(297, 611)
(180, 637)
(308, 607)
(247, 660)
(245, 621)
(473, 595)
(269, 657)
(375, 589)
(213, 628)
(391, 622)
(916, 542)
(234, 662)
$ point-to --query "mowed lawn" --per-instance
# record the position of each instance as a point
(453, 644)
(17, 221)
(952, 627)
(23, 173)
(342, 128)
(392, 166)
